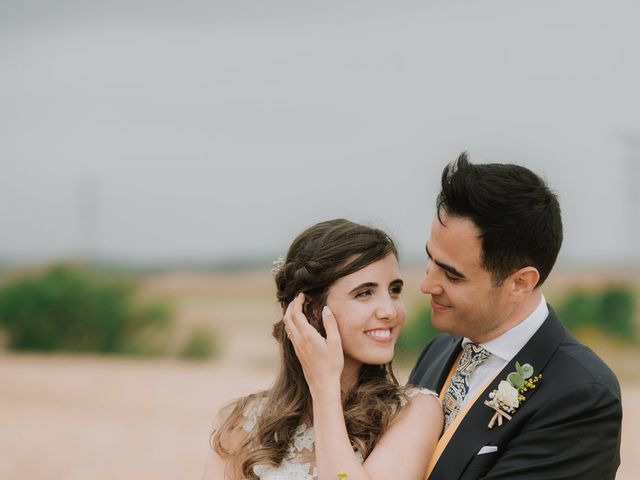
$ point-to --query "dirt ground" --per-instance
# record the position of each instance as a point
(80, 417)
(72, 417)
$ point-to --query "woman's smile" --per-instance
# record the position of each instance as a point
(381, 335)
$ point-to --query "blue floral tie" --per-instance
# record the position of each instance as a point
(472, 356)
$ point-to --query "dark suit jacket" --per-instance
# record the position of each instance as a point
(568, 428)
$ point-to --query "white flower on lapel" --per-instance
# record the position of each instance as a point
(506, 399)
(507, 395)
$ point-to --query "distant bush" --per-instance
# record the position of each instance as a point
(610, 310)
(415, 335)
(201, 344)
(69, 308)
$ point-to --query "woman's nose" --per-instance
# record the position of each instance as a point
(386, 308)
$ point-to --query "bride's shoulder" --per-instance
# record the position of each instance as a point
(420, 405)
(244, 412)
(237, 421)
(252, 409)
(412, 391)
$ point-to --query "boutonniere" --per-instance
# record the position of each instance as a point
(509, 395)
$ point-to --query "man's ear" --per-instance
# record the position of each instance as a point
(524, 281)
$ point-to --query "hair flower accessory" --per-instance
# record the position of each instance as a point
(278, 263)
(509, 395)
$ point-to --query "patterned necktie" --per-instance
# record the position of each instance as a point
(472, 356)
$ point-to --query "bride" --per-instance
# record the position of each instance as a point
(335, 411)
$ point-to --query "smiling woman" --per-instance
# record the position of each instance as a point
(369, 313)
(339, 288)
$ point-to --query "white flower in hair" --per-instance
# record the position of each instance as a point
(277, 265)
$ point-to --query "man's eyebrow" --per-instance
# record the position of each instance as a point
(444, 266)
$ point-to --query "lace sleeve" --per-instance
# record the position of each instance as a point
(234, 428)
(252, 412)
(415, 391)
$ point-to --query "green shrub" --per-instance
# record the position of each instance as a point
(69, 308)
(618, 312)
(415, 335)
(579, 308)
(611, 311)
(201, 344)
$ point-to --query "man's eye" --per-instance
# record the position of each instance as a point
(397, 290)
(451, 278)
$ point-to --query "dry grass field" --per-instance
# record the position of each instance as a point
(90, 417)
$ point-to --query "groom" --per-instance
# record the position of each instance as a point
(493, 242)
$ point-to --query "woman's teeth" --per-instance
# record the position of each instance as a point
(379, 333)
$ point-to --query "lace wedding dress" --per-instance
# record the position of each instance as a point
(299, 463)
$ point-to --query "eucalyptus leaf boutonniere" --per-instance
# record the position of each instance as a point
(509, 395)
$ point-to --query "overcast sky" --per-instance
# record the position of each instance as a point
(152, 130)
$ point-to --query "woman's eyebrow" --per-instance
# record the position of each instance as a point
(364, 285)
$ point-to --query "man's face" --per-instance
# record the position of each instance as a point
(464, 300)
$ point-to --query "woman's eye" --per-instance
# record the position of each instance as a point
(363, 293)
(397, 290)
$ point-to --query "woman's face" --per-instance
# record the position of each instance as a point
(369, 312)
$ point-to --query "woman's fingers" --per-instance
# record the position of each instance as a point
(297, 316)
(296, 324)
(305, 331)
(331, 327)
(289, 325)
(321, 359)
(305, 336)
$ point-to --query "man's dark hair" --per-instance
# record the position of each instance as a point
(517, 214)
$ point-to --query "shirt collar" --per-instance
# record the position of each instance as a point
(511, 342)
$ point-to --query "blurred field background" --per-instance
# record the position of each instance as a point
(82, 415)
(155, 157)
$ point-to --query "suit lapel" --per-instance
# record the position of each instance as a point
(441, 364)
(473, 433)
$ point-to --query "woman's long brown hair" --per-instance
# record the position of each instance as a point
(317, 258)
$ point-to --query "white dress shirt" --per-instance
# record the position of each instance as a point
(504, 348)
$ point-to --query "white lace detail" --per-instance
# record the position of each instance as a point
(303, 438)
(286, 471)
(414, 391)
(299, 463)
(252, 412)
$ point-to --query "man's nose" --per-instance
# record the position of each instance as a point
(430, 284)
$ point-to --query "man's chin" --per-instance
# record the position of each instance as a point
(440, 323)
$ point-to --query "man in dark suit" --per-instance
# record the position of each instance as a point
(493, 242)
